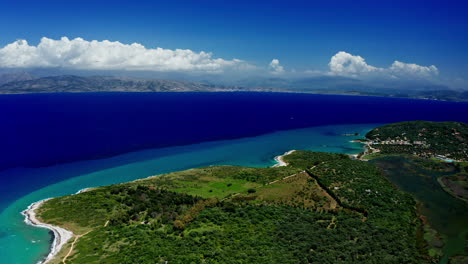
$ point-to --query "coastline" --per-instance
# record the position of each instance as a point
(280, 161)
(368, 150)
(84, 190)
(60, 235)
(52, 252)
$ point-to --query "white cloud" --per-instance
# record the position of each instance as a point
(410, 69)
(345, 64)
(275, 67)
(110, 55)
(113, 55)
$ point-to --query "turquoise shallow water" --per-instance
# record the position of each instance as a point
(23, 244)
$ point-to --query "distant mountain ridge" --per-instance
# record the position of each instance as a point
(17, 83)
(73, 83)
(14, 77)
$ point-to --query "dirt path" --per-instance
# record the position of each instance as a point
(275, 181)
(76, 239)
(230, 196)
(332, 223)
(73, 245)
(287, 177)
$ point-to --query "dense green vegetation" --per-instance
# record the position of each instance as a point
(426, 139)
(322, 208)
(360, 186)
(250, 234)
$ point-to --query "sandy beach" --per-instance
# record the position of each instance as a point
(280, 161)
(84, 190)
(61, 236)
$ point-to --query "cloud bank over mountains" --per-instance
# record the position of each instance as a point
(80, 54)
(111, 55)
(345, 64)
(275, 67)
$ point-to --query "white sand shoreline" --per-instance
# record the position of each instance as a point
(60, 237)
(84, 190)
(280, 161)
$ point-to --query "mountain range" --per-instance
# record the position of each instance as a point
(23, 82)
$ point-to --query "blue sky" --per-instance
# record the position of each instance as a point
(302, 35)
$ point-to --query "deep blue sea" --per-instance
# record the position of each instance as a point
(56, 144)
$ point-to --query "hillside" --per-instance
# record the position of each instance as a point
(16, 83)
(72, 83)
(15, 77)
(321, 208)
(442, 140)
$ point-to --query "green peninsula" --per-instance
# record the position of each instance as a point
(320, 208)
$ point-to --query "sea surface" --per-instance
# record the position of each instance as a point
(57, 144)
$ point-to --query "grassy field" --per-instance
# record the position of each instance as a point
(218, 181)
(297, 190)
(373, 156)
